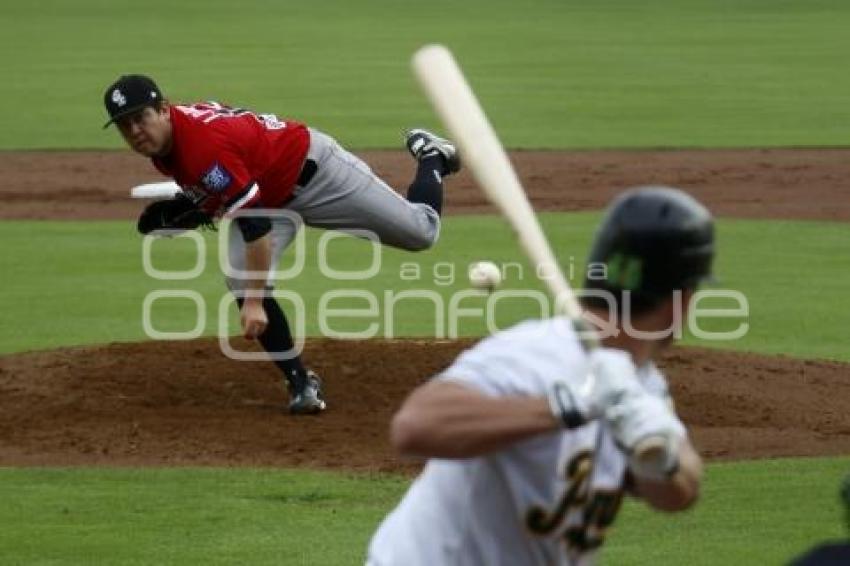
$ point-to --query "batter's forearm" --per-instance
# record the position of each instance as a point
(681, 490)
(446, 420)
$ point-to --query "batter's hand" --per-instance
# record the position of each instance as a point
(253, 318)
(612, 376)
(648, 430)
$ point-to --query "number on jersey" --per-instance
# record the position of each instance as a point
(598, 508)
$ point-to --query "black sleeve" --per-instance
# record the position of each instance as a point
(254, 227)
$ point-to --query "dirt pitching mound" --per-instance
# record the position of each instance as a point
(183, 403)
(749, 183)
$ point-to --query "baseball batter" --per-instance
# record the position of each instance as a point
(231, 161)
(530, 437)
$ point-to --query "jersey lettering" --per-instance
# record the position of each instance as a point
(598, 507)
(599, 514)
(271, 122)
(543, 522)
(210, 111)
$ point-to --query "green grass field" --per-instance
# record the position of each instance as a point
(96, 277)
(751, 513)
(551, 73)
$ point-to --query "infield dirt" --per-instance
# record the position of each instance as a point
(752, 183)
(185, 404)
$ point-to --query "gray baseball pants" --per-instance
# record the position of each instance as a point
(345, 195)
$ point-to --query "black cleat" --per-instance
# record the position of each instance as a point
(422, 143)
(308, 401)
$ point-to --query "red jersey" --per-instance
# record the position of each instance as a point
(228, 158)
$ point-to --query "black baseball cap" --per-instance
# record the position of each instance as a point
(129, 94)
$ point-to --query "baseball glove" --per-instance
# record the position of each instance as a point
(175, 214)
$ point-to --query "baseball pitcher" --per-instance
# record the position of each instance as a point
(529, 436)
(228, 160)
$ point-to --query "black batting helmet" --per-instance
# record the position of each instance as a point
(652, 241)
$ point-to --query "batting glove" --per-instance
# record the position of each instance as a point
(612, 376)
(648, 430)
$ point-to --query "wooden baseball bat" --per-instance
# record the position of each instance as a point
(484, 155)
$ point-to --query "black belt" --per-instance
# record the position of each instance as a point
(308, 171)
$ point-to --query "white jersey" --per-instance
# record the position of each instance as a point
(546, 500)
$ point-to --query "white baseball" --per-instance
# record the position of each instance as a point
(484, 275)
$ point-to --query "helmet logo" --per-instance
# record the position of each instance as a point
(118, 98)
(625, 271)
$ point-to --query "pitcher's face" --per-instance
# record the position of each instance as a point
(147, 131)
